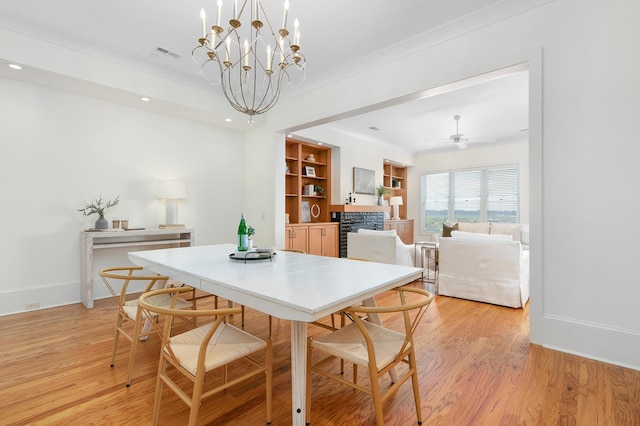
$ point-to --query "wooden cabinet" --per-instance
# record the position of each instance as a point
(404, 229)
(318, 238)
(395, 180)
(297, 238)
(323, 239)
(308, 166)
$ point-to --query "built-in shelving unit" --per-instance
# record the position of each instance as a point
(307, 197)
(395, 180)
(307, 164)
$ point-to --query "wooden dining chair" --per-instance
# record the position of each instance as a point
(197, 352)
(377, 348)
(117, 280)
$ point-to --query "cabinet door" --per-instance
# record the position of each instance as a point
(323, 240)
(330, 241)
(406, 233)
(404, 229)
(296, 238)
(315, 239)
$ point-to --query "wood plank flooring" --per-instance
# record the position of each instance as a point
(475, 361)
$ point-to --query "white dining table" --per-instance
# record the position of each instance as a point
(297, 287)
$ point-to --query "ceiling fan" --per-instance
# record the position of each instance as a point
(458, 138)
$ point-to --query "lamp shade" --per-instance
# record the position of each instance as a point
(171, 189)
(395, 201)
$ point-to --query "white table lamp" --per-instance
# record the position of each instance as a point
(396, 202)
(171, 191)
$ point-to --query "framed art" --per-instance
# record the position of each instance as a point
(364, 181)
(310, 171)
(306, 212)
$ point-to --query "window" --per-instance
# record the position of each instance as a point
(478, 195)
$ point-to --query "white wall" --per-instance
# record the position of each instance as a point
(517, 153)
(59, 150)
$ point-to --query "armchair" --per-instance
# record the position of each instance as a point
(380, 246)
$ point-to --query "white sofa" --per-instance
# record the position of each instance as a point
(380, 246)
(482, 267)
(518, 231)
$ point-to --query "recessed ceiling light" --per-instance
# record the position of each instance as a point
(228, 120)
(319, 143)
(15, 66)
(145, 99)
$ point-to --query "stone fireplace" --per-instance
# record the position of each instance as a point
(353, 217)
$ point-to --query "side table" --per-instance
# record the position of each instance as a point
(427, 252)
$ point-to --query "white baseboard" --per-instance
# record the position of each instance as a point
(15, 301)
(38, 297)
(604, 343)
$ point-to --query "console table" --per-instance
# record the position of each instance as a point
(91, 241)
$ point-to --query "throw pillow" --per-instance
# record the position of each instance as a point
(446, 229)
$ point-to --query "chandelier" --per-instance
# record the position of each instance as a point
(250, 60)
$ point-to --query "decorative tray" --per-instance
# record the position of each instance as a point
(253, 255)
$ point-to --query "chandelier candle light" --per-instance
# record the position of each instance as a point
(245, 53)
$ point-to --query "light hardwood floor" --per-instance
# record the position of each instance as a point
(475, 361)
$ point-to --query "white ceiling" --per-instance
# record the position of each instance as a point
(339, 38)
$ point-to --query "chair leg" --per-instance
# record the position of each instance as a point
(230, 304)
(377, 397)
(196, 398)
(115, 339)
(269, 378)
(162, 367)
(134, 345)
(416, 390)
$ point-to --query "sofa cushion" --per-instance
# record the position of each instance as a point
(513, 229)
(480, 236)
(374, 232)
(446, 229)
(482, 227)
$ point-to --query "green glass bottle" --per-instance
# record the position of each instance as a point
(243, 235)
